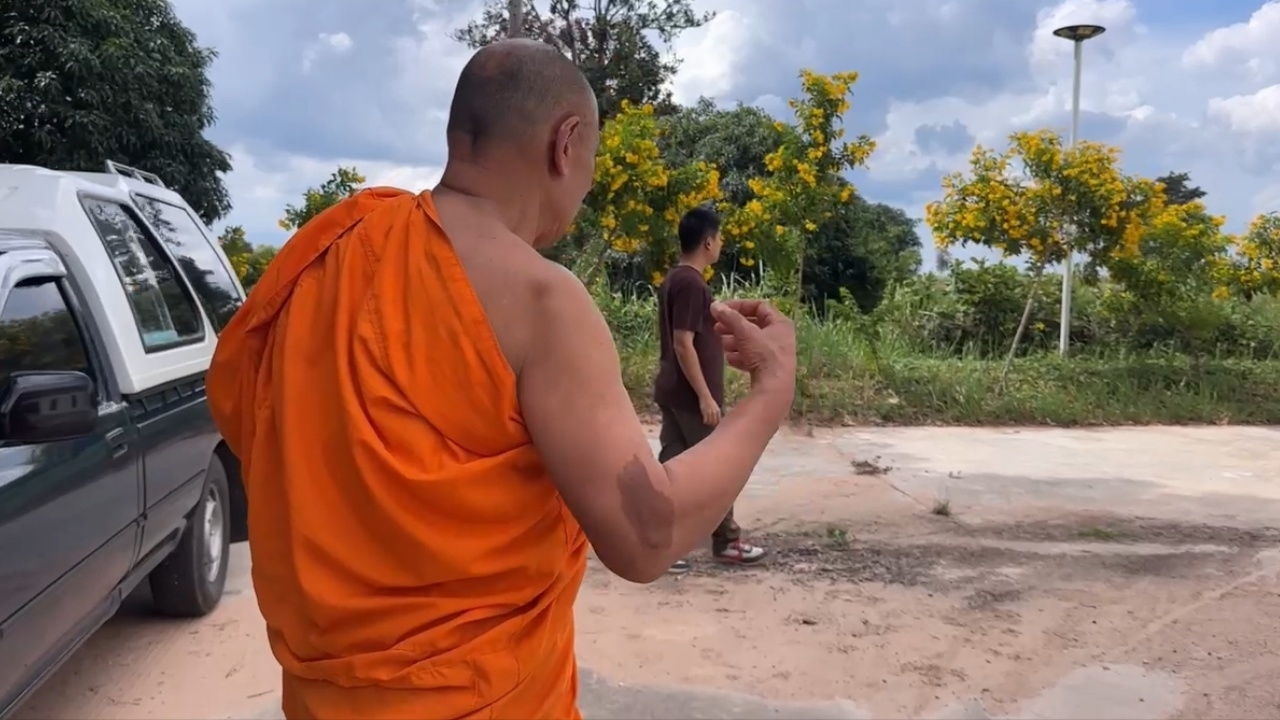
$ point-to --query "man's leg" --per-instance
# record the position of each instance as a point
(727, 545)
(726, 539)
(672, 441)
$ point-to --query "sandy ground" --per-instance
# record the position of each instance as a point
(924, 572)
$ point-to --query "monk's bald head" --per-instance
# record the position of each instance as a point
(512, 91)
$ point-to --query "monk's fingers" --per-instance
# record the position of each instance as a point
(733, 321)
(760, 313)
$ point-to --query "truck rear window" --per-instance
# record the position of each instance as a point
(198, 261)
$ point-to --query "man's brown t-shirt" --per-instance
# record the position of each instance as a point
(684, 303)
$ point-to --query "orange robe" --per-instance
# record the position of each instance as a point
(411, 556)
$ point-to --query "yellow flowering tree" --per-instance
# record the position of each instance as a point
(803, 181)
(1038, 200)
(1038, 197)
(637, 200)
(1254, 268)
(248, 261)
(1180, 254)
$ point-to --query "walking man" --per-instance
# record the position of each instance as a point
(689, 388)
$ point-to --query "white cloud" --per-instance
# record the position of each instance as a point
(1047, 52)
(1164, 120)
(427, 67)
(338, 43)
(710, 56)
(1267, 200)
(1252, 46)
(1257, 112)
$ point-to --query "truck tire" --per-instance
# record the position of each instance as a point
(189, 583)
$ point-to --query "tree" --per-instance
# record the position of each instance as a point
(1254, 268)
(1178, 257)
(1038, 198)
(864, 248)
(736, 141)
(609, 40)
(803, 182)
(83, 82)
(1178, 189)
(248, 262)
(637, 199)
(342, 184)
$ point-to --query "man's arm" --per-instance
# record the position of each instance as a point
(687, 356)
(640, 515)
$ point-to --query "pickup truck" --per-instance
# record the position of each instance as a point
(112, 294)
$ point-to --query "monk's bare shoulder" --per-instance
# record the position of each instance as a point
(551, 285)
(524, 295)
(559, 309)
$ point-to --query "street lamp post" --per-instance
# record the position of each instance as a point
(1077, 34)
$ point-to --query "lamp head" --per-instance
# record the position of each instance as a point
(1079, 33)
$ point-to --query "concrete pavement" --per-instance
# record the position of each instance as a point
(1220, 475)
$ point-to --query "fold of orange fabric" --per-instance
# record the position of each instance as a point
(411, 556)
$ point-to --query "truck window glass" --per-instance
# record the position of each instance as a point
(38, 332)
(163, 309)
(208, 276)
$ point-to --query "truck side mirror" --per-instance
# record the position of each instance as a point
(39, 407)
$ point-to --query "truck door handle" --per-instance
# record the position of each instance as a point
(119, 445)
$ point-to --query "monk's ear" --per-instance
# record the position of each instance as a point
(566, 135)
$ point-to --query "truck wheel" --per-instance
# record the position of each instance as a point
(190, 581)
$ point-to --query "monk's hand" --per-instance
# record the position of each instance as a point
(758, 339)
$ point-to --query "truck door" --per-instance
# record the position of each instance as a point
(69, 509)
(175, 429)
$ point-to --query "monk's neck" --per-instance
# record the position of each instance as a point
(508, 203)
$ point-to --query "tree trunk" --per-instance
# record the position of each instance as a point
(515, 18)
(1022, 328)
(799, 296)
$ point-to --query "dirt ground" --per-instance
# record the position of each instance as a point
(922, 572)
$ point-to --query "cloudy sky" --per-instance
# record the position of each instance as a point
(302, 86)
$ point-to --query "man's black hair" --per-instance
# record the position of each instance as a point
(696, 226)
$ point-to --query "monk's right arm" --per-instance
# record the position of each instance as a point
(639, 515)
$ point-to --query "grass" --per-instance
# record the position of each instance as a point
(844, 379)
(837, 536)
(1101, 534)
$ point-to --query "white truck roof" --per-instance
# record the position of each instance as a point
(49, 202)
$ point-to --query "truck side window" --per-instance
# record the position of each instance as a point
(164, 310)
(38, 331)
(204, 269)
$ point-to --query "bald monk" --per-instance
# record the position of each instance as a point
(432, 424)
